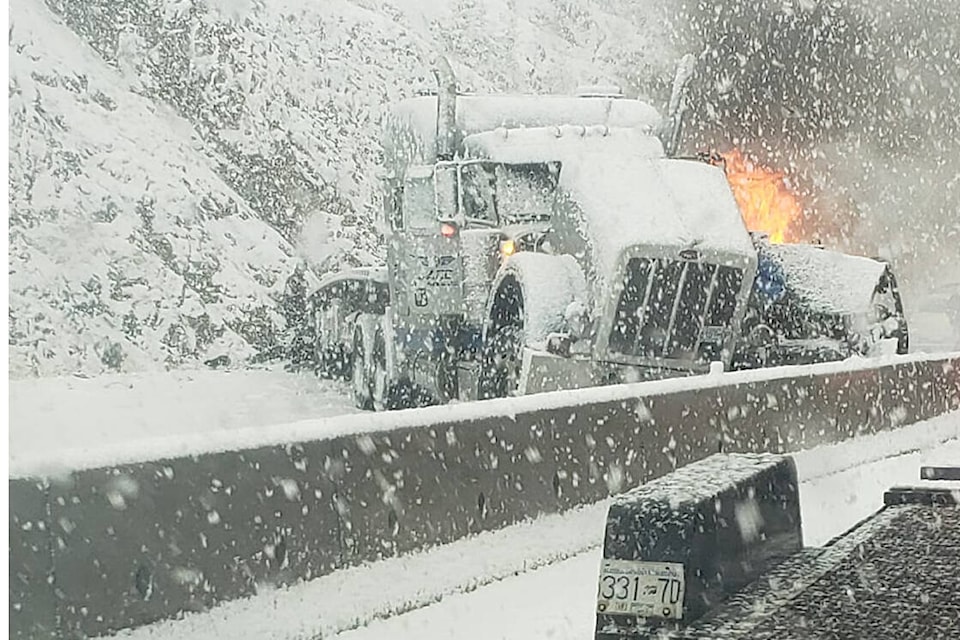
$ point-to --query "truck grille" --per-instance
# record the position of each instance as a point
(666, 304)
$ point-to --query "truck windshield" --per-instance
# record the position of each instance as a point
(503, 194)
(479, 193)
(525, 192)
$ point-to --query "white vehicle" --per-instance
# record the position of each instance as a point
(538, 243)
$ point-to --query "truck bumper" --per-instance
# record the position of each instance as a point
(542, 371)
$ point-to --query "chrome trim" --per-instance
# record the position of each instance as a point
(607, 309)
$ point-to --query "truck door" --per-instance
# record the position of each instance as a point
(424, 247)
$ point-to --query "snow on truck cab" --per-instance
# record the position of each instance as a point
(538, 243)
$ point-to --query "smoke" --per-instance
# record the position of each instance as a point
(857, 102)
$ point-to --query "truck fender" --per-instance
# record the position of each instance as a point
(541, 288)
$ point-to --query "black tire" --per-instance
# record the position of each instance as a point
(447, 381)
(322, 361)
(502, 361)
(360, 374)
(381, 387)
(334, 364)
(331, 363)
(318, 363)
(503, 343)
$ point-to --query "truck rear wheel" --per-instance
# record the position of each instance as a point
(381, 386)
(360, 382)
(333, 363)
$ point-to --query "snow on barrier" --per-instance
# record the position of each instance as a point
(129, 539)
(32, 601)
(679, 545)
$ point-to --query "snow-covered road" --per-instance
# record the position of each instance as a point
(537, 579)
(69, 412)
(73, 422)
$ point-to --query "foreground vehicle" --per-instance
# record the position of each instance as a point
(715, 549)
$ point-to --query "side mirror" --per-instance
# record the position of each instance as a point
(445, 183)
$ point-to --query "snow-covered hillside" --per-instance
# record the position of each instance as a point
(170, 160)
(165, 155)
(127, 251)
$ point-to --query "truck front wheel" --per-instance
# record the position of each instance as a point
(381, 386)
(502, 362)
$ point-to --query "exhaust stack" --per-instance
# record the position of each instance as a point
(670, 130)
(446, 109)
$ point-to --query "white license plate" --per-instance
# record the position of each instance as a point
(645, 589)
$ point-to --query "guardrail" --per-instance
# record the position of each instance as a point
(127, 540)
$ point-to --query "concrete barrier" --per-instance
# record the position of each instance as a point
(706, 530)
(136, 542)
(859, 401)
(32, 600)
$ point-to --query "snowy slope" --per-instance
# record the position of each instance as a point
(149, 146)
(167, 132)
(294, 89)
(126, 250)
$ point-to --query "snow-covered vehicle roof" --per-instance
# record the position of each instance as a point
(561, 143)
(410, 130)
(654, 202)
(826, 281)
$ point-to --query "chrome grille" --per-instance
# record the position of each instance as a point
(666, 304)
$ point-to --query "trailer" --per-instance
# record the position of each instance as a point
(550, 242)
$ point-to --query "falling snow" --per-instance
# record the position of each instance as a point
(183, 174)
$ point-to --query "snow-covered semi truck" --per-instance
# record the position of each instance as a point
(550, 242)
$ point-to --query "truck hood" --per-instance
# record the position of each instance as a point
(654, 202)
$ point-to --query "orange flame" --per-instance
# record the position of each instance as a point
(766, 203)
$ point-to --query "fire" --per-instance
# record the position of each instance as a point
(766, 203)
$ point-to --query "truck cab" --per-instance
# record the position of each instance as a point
(498, 248)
